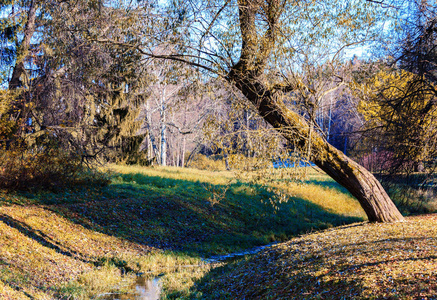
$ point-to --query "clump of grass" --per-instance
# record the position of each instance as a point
(202, 162)
(105, 279)
(362, 261)
(164, 262)
(178, 285)
(412, 193)
(71, 290)
(413, 200)
(178, 272)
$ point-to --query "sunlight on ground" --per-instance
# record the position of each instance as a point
(78, 243)
(318, 188)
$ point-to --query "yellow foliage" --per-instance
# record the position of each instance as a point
(400, 104)
(390, 86)
(203, 162)
(7, 125)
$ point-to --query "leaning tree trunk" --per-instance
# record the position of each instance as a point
(355, 178)
(247, 74)
(258, 39)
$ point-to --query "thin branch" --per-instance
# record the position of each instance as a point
(174, 57)
(330, 91)
(180, 58)
(191, 130)
(213, 21)
(383, 4)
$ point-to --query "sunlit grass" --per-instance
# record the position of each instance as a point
(105, 279)
(40, 250)
(329, 198)
(80, 243)
(317, 187)
(188, 174)
(177, 272)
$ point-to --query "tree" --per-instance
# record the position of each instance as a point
(396, 107)
(22, 23)
(416, 54)
(247, 75)
(67, 95)
(175, 110)
(261, 29)
(164, 91)
(23, 48)
(399, 105)
(83, 93)
(398, 94)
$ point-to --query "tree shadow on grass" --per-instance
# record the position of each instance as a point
(40, 237)
(179, 214)
(281, 273)
(231, 281)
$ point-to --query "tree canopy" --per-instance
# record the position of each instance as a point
(84, 71)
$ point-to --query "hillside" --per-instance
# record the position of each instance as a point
(359, 261)
(78, 243)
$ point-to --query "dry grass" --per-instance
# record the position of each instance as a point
(330, 199)
(77, 244)
(40, 250)
(187, 174)
(317, 188)
(45, 256)
(362, 261)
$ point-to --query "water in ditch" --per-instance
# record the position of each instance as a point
(150, 289)
(145, 289)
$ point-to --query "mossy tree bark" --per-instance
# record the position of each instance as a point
(247, 75)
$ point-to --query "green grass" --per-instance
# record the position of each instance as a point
(79, 242)
(199, 212)
(413, 193)
(179, 210)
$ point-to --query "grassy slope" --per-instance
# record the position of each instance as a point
(40, 249)
(88, 235)
(361, 261)
(182, 214)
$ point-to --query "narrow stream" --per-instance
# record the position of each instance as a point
(219, 258)
(150, 289)
(145, 289)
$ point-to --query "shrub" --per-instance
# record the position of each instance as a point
(44, 167)
(414, 193)
(203, 162)
(37, 158)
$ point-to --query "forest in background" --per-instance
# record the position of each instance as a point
(107, 81)
(108, 109)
